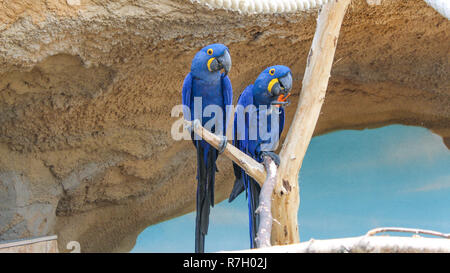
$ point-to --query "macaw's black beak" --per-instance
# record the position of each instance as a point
(286, 83)
(224, 62)
(282, 85)
(221, 62)
(281, 90)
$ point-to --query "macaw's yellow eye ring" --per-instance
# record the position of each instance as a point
(272, 71)
(210, 51)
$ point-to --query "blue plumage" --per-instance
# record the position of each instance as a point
(255, 111)
(206, 81)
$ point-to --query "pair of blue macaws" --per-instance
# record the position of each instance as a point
(206, 81)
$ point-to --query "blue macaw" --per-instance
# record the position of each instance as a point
(269, 91)
(206, 81)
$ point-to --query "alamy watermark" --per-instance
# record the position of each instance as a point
(252, 123)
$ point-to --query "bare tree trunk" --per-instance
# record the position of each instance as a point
(265, 205)
(315, 81)
(286, 197)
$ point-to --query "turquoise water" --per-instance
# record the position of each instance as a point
(351, 181)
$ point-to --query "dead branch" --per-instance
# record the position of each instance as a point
(315, 81)
(265, 204)
(265, 175)
(409, 230)
(248, 164)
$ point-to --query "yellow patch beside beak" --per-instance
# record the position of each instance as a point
(209, 63)
(271, 84)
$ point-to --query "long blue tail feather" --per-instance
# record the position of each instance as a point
(252, 190)
(206, 169)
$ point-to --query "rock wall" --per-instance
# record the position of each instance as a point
(86, 89)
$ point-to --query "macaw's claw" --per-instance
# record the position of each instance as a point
(189, 127)
(222, 145)
(272, 155)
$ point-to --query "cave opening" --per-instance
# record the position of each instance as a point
(351, 181)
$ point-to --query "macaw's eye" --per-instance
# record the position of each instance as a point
(210, 51)
(272, 71)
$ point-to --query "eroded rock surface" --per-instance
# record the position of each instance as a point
(86, 89)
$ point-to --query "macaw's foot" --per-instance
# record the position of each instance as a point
(272, 155)
(189, 127)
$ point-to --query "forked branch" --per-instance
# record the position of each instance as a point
(265, 175)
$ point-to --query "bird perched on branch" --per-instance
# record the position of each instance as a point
(258, 124)
(206, 94)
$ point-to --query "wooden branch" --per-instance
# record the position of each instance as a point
(265, 204)
(362, 244)
(315, 81)
(409, 230)
(251, 166)
(266, 179)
